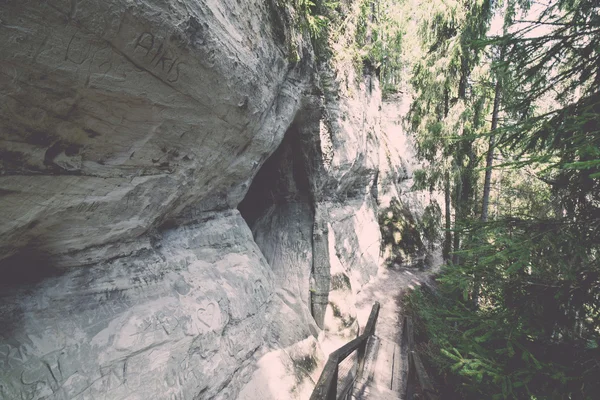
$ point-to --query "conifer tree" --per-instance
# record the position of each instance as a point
(535, 267)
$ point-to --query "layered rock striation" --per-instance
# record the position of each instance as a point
(175, 198)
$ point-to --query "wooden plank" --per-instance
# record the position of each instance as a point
(423, 377)
(327, 380)
(382, 375)
(370, 328)
(371, 392)
(410, 334)
(397, 369)
(347, 371)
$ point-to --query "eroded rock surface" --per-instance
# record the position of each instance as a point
(118, 115)
(130, 133)
(175, 321)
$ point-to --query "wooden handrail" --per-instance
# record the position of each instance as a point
(415, 365)
(326, 387)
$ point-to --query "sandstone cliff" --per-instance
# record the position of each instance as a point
(181, 204)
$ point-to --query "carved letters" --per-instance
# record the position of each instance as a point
(148, 48)
(12, 357)
(157, 56)
(78, 49)
(260, 293)
(114, 374)
(87, 207)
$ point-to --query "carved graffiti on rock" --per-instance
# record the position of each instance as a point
(242, 340)
(259, 291)
(78, 49)
(137, 332)
(36, 379)
(145, 42)
(184, 375)
(177, 396)
(12, 357)
(114, 374)
(87, 207)
(168, 323)
(209, 315)
(157, 56)
(232, 346)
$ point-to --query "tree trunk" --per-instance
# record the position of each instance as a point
(464, 187)
(458, 212)
(489, 161)
(456, 241)
(498, 195)
(448, 224)
(464, 77)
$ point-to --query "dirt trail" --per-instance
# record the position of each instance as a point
(387, 288)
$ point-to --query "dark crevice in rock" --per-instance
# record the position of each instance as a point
(374, 188)
(26, 268)
(283, 179)
(286, 222)
(20, 275)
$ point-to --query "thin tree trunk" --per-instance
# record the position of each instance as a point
(458, 212)
(456, 241)
(447, 194)
(463, 191)
(446, 102)
(498, 195)
(464, 77)
(489, 161)
(448, 224)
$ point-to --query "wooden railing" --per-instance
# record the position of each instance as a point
(415, 365)
(326, 387)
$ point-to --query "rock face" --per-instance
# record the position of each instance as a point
(130, 133)
(120, 115)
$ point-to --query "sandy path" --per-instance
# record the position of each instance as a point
(388, 288)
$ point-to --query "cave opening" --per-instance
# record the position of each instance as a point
(279, 209)
(283, 179)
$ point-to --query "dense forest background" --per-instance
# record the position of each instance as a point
(505, 115)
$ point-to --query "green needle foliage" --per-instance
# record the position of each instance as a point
(517, 312)
(367, 33)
